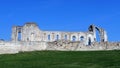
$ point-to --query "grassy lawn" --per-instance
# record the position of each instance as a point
(62, 59)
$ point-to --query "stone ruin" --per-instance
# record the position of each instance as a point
(30, 38)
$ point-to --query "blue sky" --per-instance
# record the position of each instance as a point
(61, 15)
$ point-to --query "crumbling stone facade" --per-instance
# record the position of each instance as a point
(31, 32)
(30, 38)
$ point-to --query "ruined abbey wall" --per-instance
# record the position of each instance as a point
(31, 32)
(30, 38)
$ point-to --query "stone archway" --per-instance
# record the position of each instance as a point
(17, 33)
(101, 33)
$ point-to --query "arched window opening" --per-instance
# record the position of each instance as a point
(48, 37)
(89, 41)
(81, 38)
(65, 37)
(73, 38)
(57, 37)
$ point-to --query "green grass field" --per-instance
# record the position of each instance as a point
(62, 59)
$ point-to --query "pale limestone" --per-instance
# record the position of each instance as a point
(30, 38)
